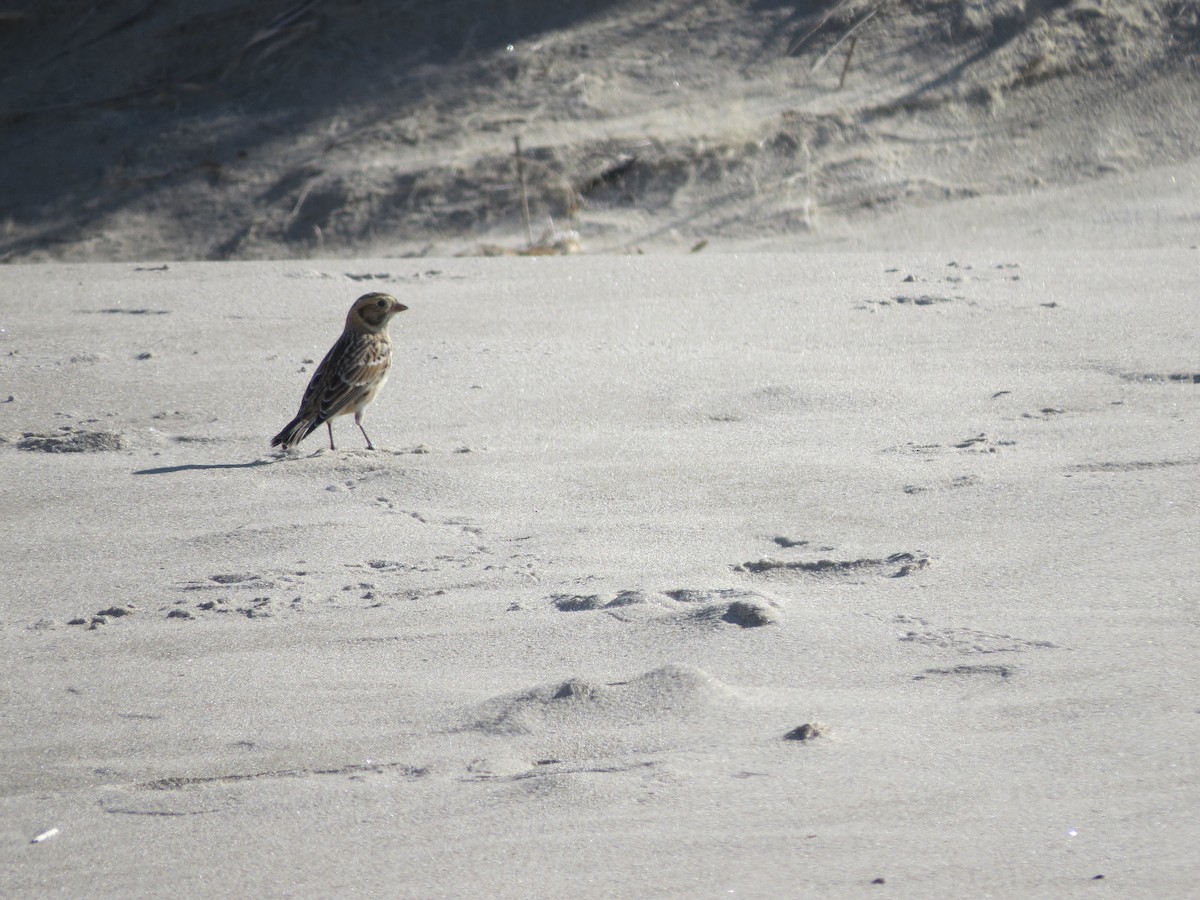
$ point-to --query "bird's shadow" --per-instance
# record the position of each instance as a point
(254, 464)
(200, 467)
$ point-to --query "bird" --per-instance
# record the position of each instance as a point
(350, 375)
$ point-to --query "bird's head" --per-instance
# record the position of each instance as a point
(373, 310)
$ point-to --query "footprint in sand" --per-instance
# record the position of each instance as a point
(959, 481)
(202, 795)
(104, 616)
(1134, 465)
(69, 439)
(731, 606)
(897, 565)
(977, 443)
(1161, 377)
(1002, 672)
(919, 632)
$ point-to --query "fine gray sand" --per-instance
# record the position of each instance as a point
(819, 519)
(635, 521)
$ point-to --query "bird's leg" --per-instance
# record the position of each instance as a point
(358, 422)
(370, 446)
(329, 425)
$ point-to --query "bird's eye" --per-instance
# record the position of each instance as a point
(381, 303)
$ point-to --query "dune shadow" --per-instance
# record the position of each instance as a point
(188, 97)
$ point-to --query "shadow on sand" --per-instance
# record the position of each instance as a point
(192, 467)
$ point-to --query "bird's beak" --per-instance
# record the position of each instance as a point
(398, 307)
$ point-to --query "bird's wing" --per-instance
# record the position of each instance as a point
(350, 372)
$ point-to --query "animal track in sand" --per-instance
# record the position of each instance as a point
(959, 481)
(228, 580)
(732, 606)
(979, 443)
(969, 641)
(1161, 377)
(103, 616)
(1135, 466)
(488, 770)
(69, 439)
(897, 565)
(960, 273)
(915, 300)
(982, 443)
(1003, 672)
(293, 585)
(369, 584)
(807, 732)
(369, 767)
(581, 602)
(787, 543)
(1045, 412)
(193, 796)
(258, 606)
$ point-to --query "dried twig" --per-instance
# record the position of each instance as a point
(524, 194)
(288, 26)
(853, 28)
(846, 64)
(610, 174)
(148, 95)
(800, 42)
(132, 19)
(573, 201)
(808, 188)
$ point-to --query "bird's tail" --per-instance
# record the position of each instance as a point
(294, 432)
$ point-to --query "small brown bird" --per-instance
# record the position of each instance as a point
(351, 373)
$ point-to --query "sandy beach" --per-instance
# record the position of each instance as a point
(633, 521)
(819, 517)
